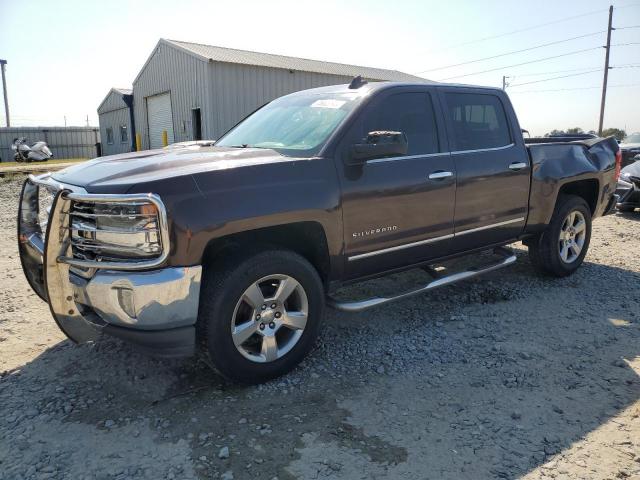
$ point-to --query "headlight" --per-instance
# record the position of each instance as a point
(118, 230)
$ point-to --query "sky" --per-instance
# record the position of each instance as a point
(64, 55)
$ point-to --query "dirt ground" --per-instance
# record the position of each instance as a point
(509, 376)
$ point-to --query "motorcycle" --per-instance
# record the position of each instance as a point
(38, 152)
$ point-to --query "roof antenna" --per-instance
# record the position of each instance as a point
(357, 82)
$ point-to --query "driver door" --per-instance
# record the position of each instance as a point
(397, 211)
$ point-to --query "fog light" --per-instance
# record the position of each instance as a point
(126, 300)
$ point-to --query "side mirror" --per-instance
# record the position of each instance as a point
(379, 144)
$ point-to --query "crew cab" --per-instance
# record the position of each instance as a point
(234, 250)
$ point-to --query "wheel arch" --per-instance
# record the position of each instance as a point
(306, 238)
(587, 189)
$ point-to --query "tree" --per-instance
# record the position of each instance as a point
(574, 130)
(554, 132)
(614, 132)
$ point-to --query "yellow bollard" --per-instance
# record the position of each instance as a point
(165, 138)
(138, 142)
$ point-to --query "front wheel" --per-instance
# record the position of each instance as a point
(561, 248)
(260, 315)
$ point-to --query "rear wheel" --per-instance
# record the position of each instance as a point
(561, 248)
(260, 316)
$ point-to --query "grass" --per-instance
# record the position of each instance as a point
(55, 161)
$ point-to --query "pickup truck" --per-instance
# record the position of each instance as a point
(233, 250)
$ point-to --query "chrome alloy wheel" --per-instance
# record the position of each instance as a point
(572, 236)
(270, 318)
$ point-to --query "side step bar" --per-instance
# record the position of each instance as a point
(508, 257)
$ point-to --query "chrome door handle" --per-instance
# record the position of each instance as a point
(518, 165)
(440, 175)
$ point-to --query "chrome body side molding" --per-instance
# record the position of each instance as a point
(432, 240)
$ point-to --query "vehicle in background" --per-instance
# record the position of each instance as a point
(38, 152)
(628, 190)
(235, 249)
(630, 147)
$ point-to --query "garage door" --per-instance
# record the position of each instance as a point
(160, 118)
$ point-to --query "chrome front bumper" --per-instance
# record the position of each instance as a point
(156, 309)
(157, 299)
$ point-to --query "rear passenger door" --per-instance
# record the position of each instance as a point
(492, 166)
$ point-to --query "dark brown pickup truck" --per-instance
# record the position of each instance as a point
(233, 250)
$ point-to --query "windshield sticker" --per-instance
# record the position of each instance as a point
(328, 103)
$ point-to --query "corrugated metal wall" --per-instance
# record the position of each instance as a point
(113, 101)
(114, 119)
(238, 90)
(185, 77)
(64, 142)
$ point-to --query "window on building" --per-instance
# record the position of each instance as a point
(478, 120)
(410, 113)
(124, 137)
(109, 135)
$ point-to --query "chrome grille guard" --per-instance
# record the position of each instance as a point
(46, 257)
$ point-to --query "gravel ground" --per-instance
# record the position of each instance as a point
(509, 376)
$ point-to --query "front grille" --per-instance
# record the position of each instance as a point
(114, 232)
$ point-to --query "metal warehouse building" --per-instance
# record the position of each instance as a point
(116, 119)
(195, 91)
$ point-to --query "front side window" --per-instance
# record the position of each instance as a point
(294, 125)
(109, 135)
(123, 134)
(478, 120)
(410, 113)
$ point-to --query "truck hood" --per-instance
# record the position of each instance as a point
(152, 165)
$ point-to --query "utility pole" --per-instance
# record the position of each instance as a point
(504, 82)
(3, 63)
(606, 71)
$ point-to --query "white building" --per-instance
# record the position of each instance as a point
(195, 91)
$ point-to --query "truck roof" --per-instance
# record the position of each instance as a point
(377, 86)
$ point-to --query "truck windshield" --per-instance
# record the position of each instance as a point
(294, 125)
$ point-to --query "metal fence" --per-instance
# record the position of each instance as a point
(64, 142)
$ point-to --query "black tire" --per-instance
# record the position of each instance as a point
(223, 286)
(544, 251)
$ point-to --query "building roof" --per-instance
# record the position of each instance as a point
(245, 57)
(118, 91)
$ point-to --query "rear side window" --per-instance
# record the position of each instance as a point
(479, 121)
(411, 113)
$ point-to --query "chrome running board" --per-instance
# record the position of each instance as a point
(508, 257)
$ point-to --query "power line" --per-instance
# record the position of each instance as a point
(576, 88)
(526, 29)
(524, 63)
(512, 52)
(555, 71)
(624, 28)
(624, 44)
(556, 78)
